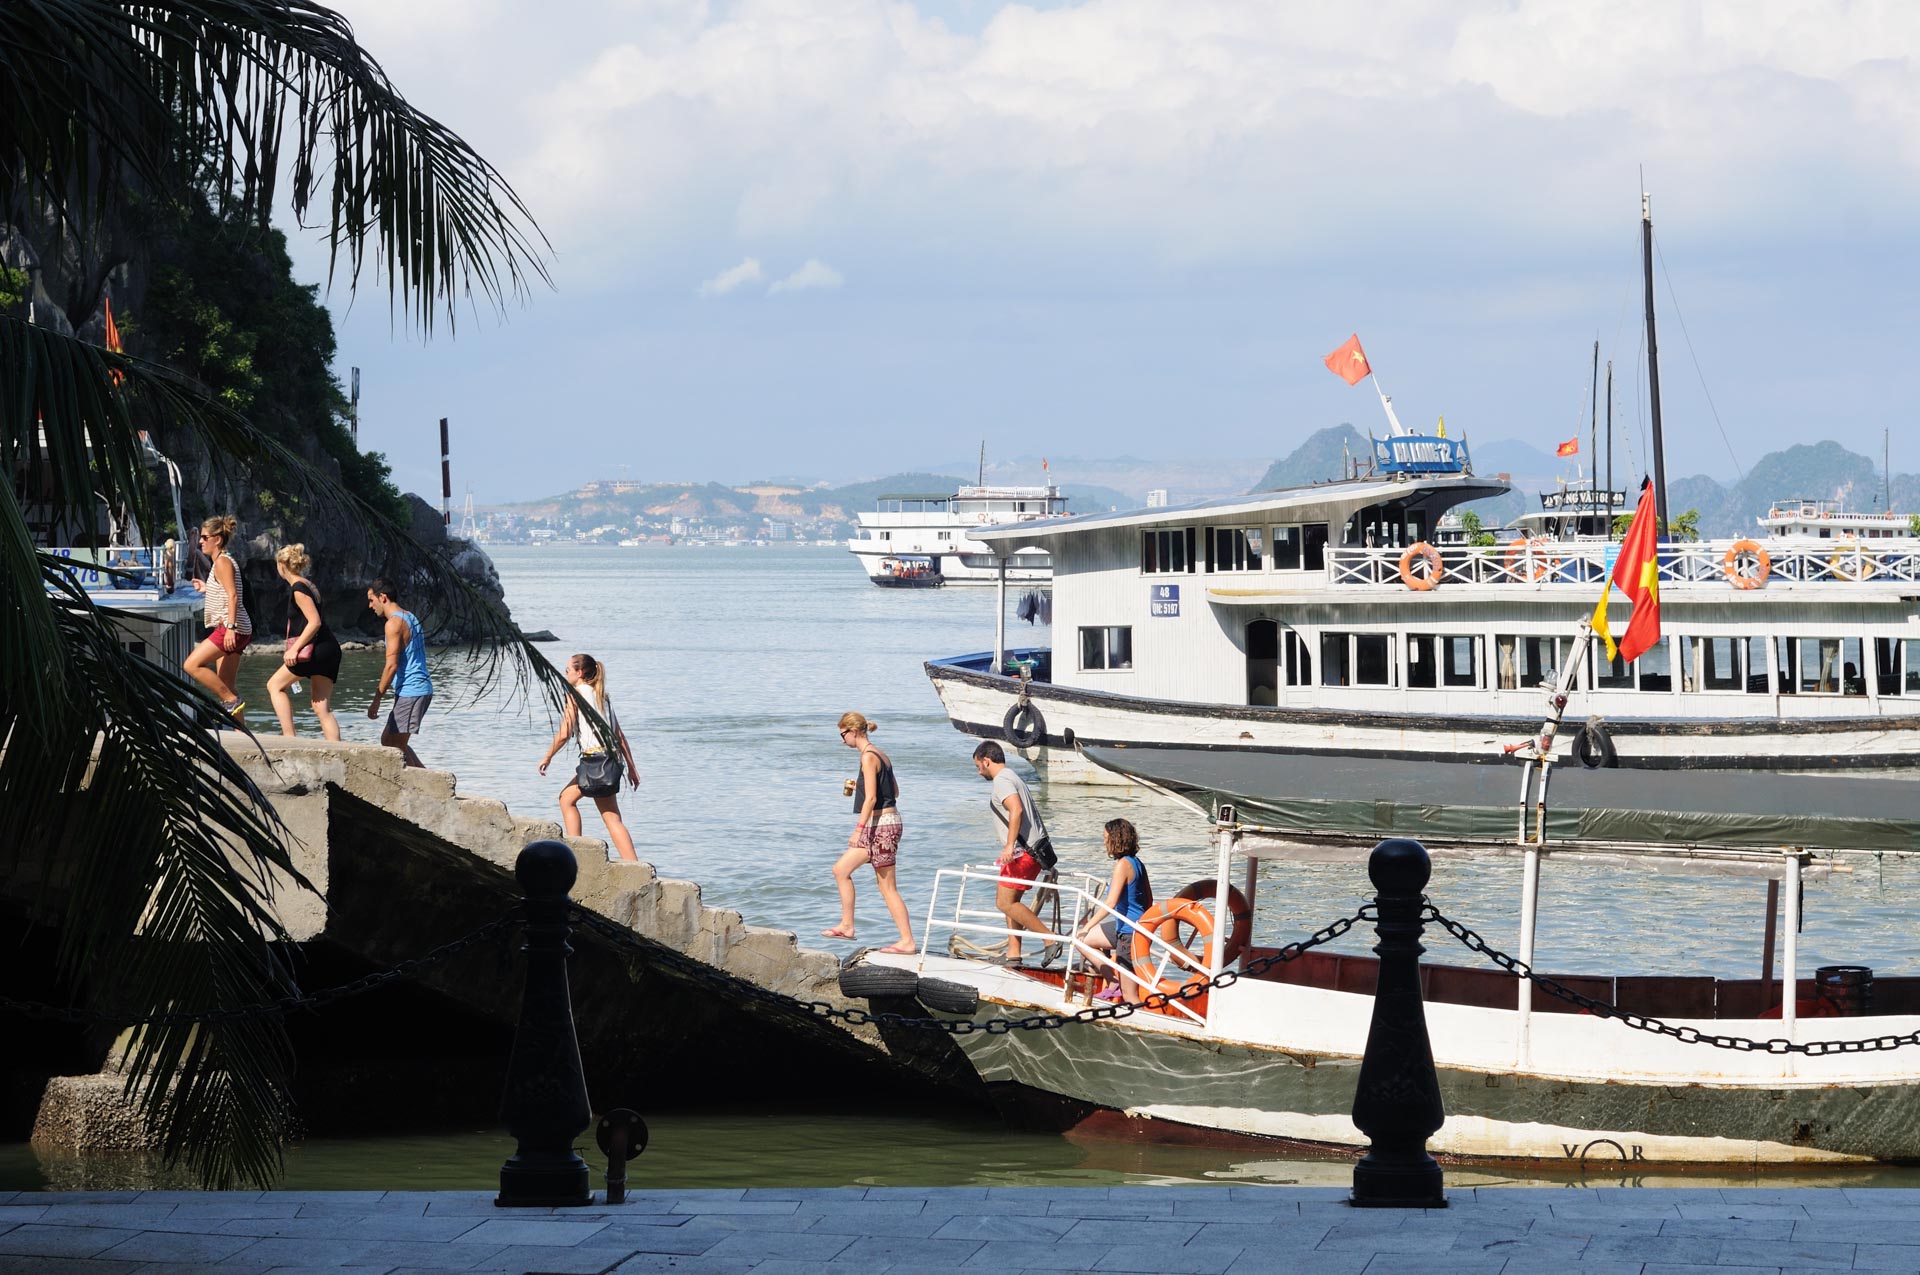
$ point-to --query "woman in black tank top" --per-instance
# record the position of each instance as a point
(876, 833)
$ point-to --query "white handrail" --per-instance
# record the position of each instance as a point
(1559, 563)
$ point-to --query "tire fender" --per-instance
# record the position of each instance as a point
(1023, 725)
(1594, 749)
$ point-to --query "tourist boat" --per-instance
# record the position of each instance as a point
(944, 529)
(1577, 510)
(1523, 1075)
(909, 571)
(1829, 520)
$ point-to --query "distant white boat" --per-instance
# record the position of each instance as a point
(939, 527)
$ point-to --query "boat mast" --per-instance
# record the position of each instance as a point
(980, 479)
(1593, 443)
(1609, 449)
(1886, 471)
(1653, 364)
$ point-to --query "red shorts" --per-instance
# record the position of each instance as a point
(1022, 865)
(219, 638)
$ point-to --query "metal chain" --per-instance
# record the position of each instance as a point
(284, 1005)
(1657, 1026)
(966, 1027)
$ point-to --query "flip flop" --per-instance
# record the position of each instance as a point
(836, 933)
(899, 949)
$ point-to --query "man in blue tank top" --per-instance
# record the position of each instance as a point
(406, 672)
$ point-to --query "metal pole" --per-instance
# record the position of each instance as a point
(1396, 1101)
(545, 1106)
(1000, 617)
(1653, 367)
(1766, 943)
(1529, 916)
(1222, 909)
(446, 478)
(1790, 976)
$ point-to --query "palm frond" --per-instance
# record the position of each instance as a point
(97, 93)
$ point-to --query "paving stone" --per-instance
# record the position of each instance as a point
(823, 1193)
(1881, 1256)
(1435, 1264)
(351, 1226)
(1864, 1230)
(14, 1214)
(582, 1259)
(1164, 1258)
(208, 1214)
(1523, 1264)
(1780, 1228)
(1754, 1209)
(1667, 1268)
(308, 1252)
(1744, 1252)
(1221, 1208)
(684, 1240)
(717, 1208)
(649, 1263)
(134, 1217)
(165, 1246)
(903, 1251)
(974, 1227)
(786, 1266)
(13, 1265)
(1015, 1255)
(1292, 1236)
(750, 1246)
(35, 1240)
(1675, 1250)
(1263, 1262)
(555, 1231)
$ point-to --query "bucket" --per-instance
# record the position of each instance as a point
(1848, 988)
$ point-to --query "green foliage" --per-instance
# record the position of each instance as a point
(1476, 530)
(14, 287)
(1685, 526)
(1913, 524)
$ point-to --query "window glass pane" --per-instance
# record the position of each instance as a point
(1614, 674)
(1286, 548)
(1757, 660)
(1786, 674)
(1120, 647)
(1506, 658)
(1299, 660)
(1093, 648)
(1655, 668)
(1149, 551)
(1333, 659)
(1853, 667)
(1886, 665)
(1459, 664)
(1371, 663)
(1720, 665)
(1912, 681)
(1314, 543)
(1422, 672)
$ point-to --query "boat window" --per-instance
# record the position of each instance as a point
(1333, 659)
(1300, 659)
(1372, 659)
(1527, 661)
(1286, 548)
(1313, 545)
(1757, 665)
(1166, 550)
(1714, 664)
(1460, 661)
(1655, 668)
(1423, 671)
(1824, 666)
(1263, 663)
(1106, 647)
(1897, 665)
(1232, 549)
(1609, 674)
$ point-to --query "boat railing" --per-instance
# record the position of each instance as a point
(1547, 563)
(1079, 900)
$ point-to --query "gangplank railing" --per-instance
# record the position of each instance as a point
(1547, 563)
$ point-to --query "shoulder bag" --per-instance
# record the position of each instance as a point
(599, 773)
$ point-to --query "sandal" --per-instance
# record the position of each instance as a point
(898, 949)
(1110, 995)
(836, 933)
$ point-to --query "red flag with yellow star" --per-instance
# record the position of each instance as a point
(113, 340)
(1638, 574)
(1349, 362)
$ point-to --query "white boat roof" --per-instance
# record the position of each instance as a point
(1348, 494)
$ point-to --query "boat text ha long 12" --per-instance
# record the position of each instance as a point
(1321, 629)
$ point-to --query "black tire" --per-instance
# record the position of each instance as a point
(1594, 749)
(946, 996)
(1023, 725)
(863, 982)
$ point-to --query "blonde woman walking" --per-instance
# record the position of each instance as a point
(215, 662)
(876, 834)
(598, 774)
(312, 652)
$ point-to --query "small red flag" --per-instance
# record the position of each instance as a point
(1349, 362)
(1569, 448)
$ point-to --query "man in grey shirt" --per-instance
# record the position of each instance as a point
(1025, 854)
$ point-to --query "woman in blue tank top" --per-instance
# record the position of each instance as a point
(1129, 894)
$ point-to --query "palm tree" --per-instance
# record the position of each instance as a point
(1686, 526)
(110, 767)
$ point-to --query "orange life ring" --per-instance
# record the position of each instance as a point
(1422, 552)
(1740, 553)
(1533, 552)
(1205, 891)
(1163, 921)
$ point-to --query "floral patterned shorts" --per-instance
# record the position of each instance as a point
(881, 839)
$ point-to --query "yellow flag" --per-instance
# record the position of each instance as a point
(1443, 427)
(1600, 625)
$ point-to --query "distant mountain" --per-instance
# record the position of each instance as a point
(1122, 482)
(1325, 456)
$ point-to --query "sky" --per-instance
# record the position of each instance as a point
(843, 238)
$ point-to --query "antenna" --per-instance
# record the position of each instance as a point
(980, 480)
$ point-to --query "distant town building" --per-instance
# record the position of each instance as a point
(1157, 498)
(778, 530)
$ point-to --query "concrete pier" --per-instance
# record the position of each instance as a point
(1205, 1230)
(402, 862)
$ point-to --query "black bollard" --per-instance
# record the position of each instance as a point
(1397, 1100)
(545, 1107)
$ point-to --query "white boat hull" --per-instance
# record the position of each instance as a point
(1279, 1061)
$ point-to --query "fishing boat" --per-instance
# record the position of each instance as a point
(944, 529)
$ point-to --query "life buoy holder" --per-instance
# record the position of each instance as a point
(1421, 552)
(1163, 921)
(1528, 559)
(1849, 561)
(1746, 565)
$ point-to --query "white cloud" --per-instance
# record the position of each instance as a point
(815, 274)
(748, 271)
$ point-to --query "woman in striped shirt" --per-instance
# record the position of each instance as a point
(216, 662)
